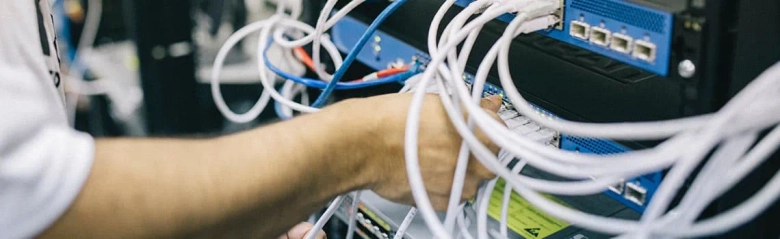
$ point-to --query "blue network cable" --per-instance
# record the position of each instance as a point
(354, 52)
(315, 83)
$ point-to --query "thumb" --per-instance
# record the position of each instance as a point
(492, 103)
(301, 230)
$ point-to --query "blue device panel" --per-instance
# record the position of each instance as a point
(387, 50)
(628, 32)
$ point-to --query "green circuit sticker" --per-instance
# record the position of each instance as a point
(524, 218)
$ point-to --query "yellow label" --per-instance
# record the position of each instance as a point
(522, 217)
(373, 217)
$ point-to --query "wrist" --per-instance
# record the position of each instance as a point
(359, 140)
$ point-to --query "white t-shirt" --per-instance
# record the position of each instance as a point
(43, 162)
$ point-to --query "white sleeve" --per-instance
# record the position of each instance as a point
(43, 162)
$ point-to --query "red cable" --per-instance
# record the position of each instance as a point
(306, 59)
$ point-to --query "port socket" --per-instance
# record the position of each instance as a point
(618, 188)
(644, 50)
(600, 36)
(635, 193)
(559, 14)
(579, 30)
(621, 43)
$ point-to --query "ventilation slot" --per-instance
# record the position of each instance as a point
(622, 12)
(596, 146)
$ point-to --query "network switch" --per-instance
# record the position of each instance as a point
(606, 18)
(628, 20)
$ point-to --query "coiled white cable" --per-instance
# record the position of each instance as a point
(265, 75)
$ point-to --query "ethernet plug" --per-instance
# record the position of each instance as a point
(534, 8)
(539, 24)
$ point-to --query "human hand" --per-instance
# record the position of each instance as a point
(299, 232)
(438, 142)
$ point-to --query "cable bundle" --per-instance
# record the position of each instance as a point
(731, 133)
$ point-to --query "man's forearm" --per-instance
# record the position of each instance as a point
(261, 181)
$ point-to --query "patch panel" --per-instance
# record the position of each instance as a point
(369, 223)
(347, 31)
(632, 23)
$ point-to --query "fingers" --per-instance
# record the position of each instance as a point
(470, 189)
(492, 103)
(479, 171)
(299, 232)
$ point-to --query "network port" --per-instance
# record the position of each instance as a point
(621, 43)
(559, 14)
(600, 36)
(635, 193)
(579, 30)
(644, 50)
(618, 187)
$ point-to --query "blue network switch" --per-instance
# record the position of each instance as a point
(628, 32)
(387, 50)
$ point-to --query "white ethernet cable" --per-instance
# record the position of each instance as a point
(289, 90)
(722, 159)
(352, 217)
(482, 212)
(505, 200)
(265, 75)
(462, 224)
(282, 24)
(334, 206)
(280, 40)
(319, 30)
(310, 37)
(399, 234)
(463, 155)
